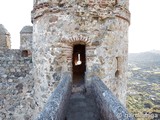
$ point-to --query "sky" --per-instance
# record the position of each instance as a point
(144, 33)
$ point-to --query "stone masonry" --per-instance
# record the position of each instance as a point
(100, 25)
(16, 82)
(29, 75)
(4, 38)
(26, 38)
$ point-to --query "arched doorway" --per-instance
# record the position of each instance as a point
(79, 63)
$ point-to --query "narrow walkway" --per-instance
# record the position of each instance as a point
(82, 106)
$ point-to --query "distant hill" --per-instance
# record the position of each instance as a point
(150, 56)
(143, 88)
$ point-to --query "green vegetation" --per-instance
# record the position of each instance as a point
(143, 99)
(142, 103)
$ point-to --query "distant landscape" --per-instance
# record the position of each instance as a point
(143, 96)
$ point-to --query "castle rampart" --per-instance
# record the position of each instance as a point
(16, 82)
(85, 38)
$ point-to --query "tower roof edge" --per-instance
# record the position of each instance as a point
(26, 29)
(3, 30)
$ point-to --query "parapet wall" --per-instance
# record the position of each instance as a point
(56, 106)
(109, 106)
(16, 86)
(14, 64)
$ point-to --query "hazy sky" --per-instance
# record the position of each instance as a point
(144, 33)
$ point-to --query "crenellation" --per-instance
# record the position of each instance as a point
(26, 38)
(16, 83)
(65, 35)
(4, 38)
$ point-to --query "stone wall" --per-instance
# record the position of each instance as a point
(58, 25)
(13, 64)
(26, 38)
(102, 26)
(109, 106)
(16, 86)
(109, 60)
(56, 106)
(5, 41)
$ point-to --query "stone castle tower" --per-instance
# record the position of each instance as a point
(82, 37)
(73, 45)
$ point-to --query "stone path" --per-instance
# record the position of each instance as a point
(82, 107)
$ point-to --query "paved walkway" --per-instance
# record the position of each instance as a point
(82, 107)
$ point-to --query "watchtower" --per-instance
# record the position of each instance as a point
(84, 37)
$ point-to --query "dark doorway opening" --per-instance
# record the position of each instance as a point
(79, 63)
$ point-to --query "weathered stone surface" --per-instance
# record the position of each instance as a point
(16, 85)
(5, 41)
(56, 106)
(109, 106)
(58, 25)
(100, 25)
(82, 107)
(27, 29)
(26, 38)
(3, 30)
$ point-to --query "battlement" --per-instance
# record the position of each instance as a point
(4, 38)
(16, 84)
(26, 38)
(16, 80)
